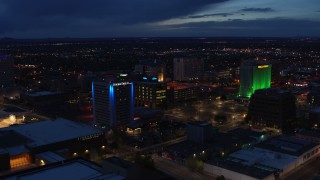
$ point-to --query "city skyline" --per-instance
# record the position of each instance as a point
(218, 18)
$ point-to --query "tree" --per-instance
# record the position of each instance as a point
(194, 164)
(221, 118)
(144, 161)
(220, 178)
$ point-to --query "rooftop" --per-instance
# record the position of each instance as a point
(312, 133)
(264, 157)
(287, 145)
(256, 171)
(85, 170)
(50, 157)
(51, 131)
(180, 85)
(13, 143)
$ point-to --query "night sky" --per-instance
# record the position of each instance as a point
(158, 18)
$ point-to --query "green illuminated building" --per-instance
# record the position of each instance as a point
(254, 75)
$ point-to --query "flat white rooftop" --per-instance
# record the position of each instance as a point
(51, 131)
(264, 157)
(71, 171)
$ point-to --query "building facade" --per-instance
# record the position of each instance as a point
(112, 103)
(199, 131)
(254, 75)
(152, 69)
(187, 69)
(180, 92)
(150, 94)
(272, 108)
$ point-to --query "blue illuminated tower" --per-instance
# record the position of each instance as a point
(113, 104)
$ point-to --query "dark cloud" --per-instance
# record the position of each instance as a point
(124, 18)
(276, 27)
(40, 15)
(257, 10)
(211, 15)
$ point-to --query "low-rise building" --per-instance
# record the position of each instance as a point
(77, 168)
(273, 158)
(19, 144)
(199, 131)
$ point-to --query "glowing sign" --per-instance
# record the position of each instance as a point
(263, 66)
(123, 75)
(154, 78)
(145, 78)
(121, 84)
(136, 118)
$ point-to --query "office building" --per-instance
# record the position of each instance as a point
(254, 75)
(187, 69)
(152, 69)
(6, 72)
(112, 104)
(272, 108)
(182, 91)
(150, 94)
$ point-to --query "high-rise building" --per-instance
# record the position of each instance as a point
(151, 69)
(150, 94)
(112, 103)
(187, 69)
(254, 75)
(6, 72)
(182, 91)
(271, 107)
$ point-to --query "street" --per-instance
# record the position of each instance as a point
(177, 171)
